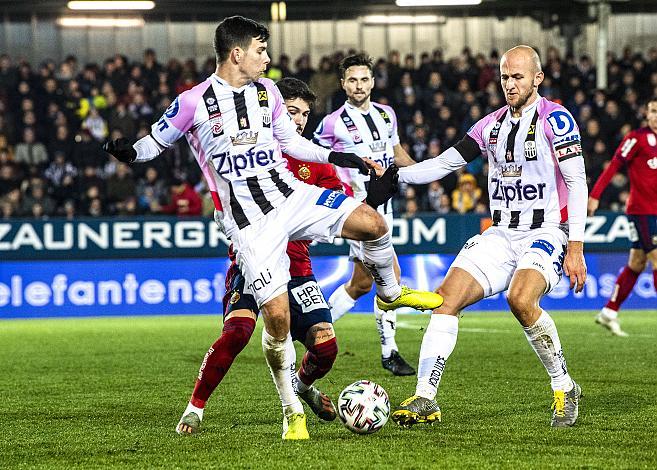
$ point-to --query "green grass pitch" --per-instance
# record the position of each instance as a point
(99, 393)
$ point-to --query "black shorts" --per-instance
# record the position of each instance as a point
(307, 304)
(643, 232)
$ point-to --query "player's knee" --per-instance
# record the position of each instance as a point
(239, 330)
(519, 303)
(638, 265)
(359, 288)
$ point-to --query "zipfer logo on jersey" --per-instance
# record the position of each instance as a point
(510, 192)
(226, 163)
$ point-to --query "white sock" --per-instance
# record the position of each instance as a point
(608, 313)
(299, 386)
(292, 366)
(191, 408)
(386, 324)
(378, 258)
(437, 344)
(276, 354)
(544, 339)
(340, 303)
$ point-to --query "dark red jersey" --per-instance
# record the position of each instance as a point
(637, 151)
(317, 174)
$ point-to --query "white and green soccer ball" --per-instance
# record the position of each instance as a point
(364, 407)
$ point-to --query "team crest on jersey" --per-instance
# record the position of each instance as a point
(245, 138)
(234, 298)
(530, 150)
(378, 146)
(356, 136)
(304, 172)
(512, 171)
(244, 122)
(652, 140)
(217, 124)
(266, 115)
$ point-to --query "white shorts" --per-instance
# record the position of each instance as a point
(356, 247)
(310, 213)
(494, 256)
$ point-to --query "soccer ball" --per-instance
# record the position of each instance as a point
(364, 407)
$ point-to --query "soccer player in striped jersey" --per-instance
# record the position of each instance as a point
(365, 128)
(538, 195)
(309, 313)
(638, 153)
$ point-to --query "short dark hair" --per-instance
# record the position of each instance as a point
(354, 61)
(237, 31)
(293, 88)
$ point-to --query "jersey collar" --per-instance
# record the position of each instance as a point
(347, 104)
(224, 83)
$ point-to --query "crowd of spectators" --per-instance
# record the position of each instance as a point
(55, 117)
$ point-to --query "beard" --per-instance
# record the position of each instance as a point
(522, 99)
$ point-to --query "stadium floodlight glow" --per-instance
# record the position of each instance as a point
(403, 19)
(111, 5)
(436, 3)
(87, 22)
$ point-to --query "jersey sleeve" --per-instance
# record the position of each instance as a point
(476, 133)
(394, 137)
(625, 152)
(563, 134)
(178, 117)
(324, 134)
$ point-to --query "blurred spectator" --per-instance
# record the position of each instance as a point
(121, 186)
(37, 195)
(466, 196)
(29, 151)
(151, 190)
(59, 169)
(184, 200)
(324, 82)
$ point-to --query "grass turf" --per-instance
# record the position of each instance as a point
(98, 393)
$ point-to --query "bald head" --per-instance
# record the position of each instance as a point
(524, 55)
(520, 75)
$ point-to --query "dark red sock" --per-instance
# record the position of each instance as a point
(318, 360)
(234, 337)
(654, 279)
(624, 285)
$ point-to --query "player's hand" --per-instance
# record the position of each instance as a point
(348, 160)
(574, 265)
(378, 169)
(121, 150)
(592, 206)
(379, 190)
(219, 220)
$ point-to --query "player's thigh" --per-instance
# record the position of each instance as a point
(262, 258)
(459, 289)
(489, 259)
(308, 307)
(638, 259)
(314, 213)
(525, 292)
(543, 251)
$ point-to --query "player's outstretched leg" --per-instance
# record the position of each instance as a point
(437, 345)
(565, 407)
(386, 324)
(317, 362)
(234, 337)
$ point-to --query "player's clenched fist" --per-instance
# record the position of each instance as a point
(121, 150)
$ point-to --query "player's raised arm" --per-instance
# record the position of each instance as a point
(172, 125)
(285, 131)
(464, 151)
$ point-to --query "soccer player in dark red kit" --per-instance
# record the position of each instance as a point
(309, 312)
(638, 152)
